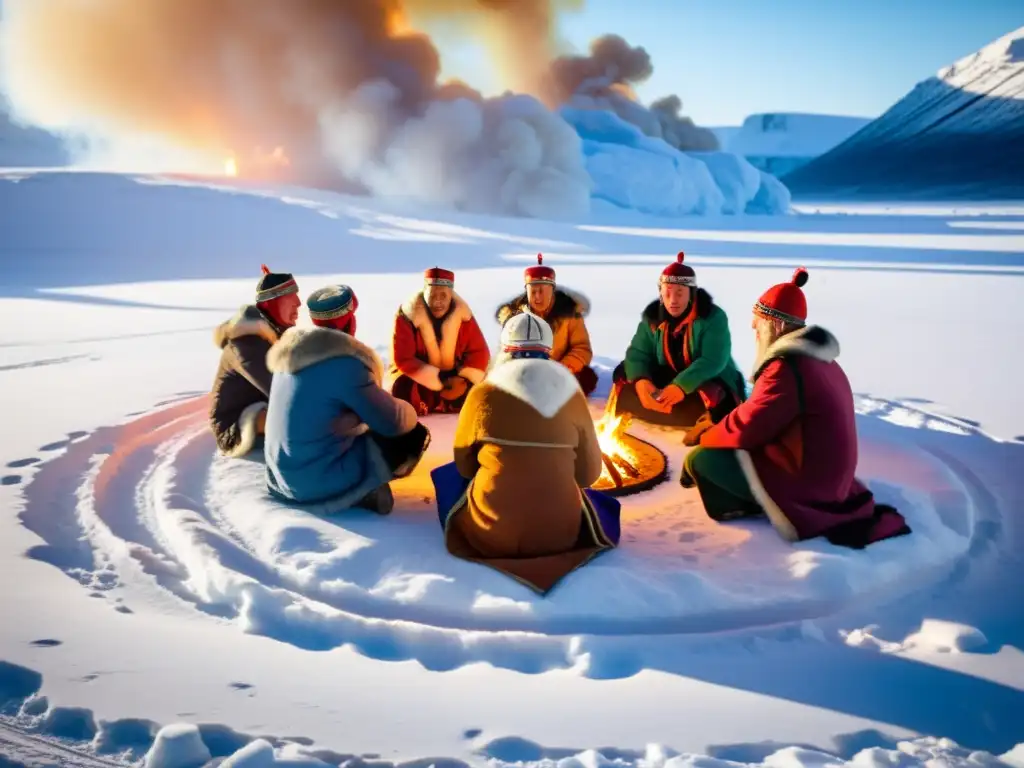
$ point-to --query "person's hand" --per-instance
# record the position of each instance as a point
(454, 388)
(693, 434)
(645, 392)
(670, 396)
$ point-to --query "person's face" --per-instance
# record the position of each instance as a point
(675, 297)
(540, 297)
(285, 310)
(766, 330)
(438, 299)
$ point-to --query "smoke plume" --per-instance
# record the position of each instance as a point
(349, 88)
(605, 79)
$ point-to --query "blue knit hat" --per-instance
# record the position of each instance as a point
(332, 301)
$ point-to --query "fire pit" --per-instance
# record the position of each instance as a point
(631, 465)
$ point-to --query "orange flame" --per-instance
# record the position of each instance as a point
(610, 429)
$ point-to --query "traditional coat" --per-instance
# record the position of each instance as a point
(571, 345)
(241, 386)
(422, 353)
(526, 439)
(697, 352)
(796, 441)
(321, 374)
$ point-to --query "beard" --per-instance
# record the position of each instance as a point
(765, 338)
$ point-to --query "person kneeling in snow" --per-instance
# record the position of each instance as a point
(437, 349)
(679, 364)
(790, 451)
(564, 311)
(334, 437)
(241, 388)
(525, 445)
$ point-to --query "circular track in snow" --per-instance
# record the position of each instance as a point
(149, 508)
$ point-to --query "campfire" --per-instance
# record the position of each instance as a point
(631, 465)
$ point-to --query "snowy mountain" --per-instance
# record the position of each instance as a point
(956, 135)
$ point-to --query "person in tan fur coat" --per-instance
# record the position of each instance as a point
(525, 448)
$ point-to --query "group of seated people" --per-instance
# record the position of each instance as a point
(337, 427)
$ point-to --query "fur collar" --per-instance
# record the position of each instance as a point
(567, 304)
(248, 321)
(440, 352)
(810, 341)
(544, 385)
(654, 314)
(302, 347)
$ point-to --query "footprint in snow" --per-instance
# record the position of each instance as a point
(10, 479)
(57, 445)
(690, 536)
(46, 643)
(23, 462)
(240, 686)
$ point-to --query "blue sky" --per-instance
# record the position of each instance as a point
(731, 58)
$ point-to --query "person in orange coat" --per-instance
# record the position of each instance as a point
(564, 310)
(437, 349)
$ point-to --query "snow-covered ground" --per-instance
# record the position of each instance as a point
(150, 584)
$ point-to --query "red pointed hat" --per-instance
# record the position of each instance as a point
(438, 276)
(678, 273)
(539, 273)
(786, 301)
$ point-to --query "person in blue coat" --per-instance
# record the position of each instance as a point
(333, 435)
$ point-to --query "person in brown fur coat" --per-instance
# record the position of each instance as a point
(527, 446)
(241, 386)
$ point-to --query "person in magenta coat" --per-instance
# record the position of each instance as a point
(790, 450)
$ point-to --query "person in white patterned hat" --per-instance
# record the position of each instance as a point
(526, 439)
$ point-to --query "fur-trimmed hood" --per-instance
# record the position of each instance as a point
(302, 347)
(655, 314)
(810, 341)
(544, 385)
(567, 304)
(248, 321)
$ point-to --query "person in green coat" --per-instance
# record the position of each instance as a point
(679, 369)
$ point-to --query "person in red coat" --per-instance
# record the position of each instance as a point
(437, 349)
(790, 450)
